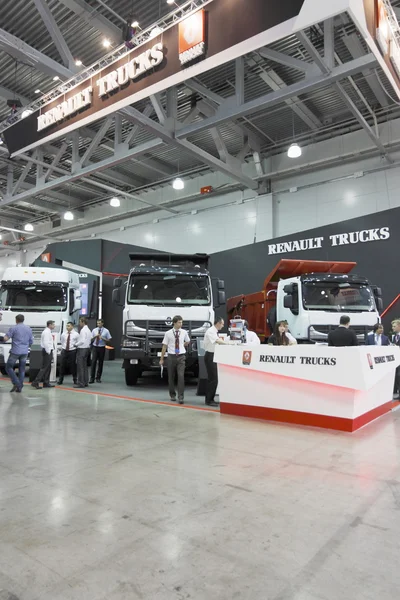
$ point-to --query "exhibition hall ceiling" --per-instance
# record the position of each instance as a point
(186, 131)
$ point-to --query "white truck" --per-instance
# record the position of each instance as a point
(158, 287)
(311, 296)
(40, 294)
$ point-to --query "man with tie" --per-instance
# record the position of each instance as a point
(377, 337)
(175, 342)
(47, 344)
(82, 354)
(68, 352)
(212, 338)
(100, 337)
(396, 341)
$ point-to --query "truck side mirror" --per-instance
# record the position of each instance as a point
(117, 282)
(116, 297)
(377, 292)
(288, 301)
(379, 304)
(288, 289)
(221, 297)
(77, 300)
(221, 285)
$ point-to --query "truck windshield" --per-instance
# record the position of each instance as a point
(323, 295)
(171, 290)
(33, 297)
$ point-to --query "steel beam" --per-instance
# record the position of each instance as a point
(158, 107)
(83, 173)
(56, 160)
(94, 18)
(285, 59)
(201, 155)
(315, 55)
(22, 51)
(55, 33)
(229, 110)
(96, 141)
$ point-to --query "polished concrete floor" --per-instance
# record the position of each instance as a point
(105, 498)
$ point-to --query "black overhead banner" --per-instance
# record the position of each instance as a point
(200, 42)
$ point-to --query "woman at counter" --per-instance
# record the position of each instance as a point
(279, 337)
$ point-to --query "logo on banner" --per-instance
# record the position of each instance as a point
(247, 357)
(192, 37)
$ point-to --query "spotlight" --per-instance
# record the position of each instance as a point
(106, 43)
(56, 78)
(170, 1)
(135, 24)
(156, 31)
(25, 113)
(78, 63)
(28, 227)
(294, 151)
(115, 202)
(178, 184)
(69, 216)
(37, 91)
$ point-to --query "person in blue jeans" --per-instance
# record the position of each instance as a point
(21, 340)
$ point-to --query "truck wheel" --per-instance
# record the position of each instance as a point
(3, 371)
(132, 375)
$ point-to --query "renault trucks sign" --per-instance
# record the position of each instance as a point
(218, 33)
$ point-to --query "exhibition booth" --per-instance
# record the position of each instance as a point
(318, 386)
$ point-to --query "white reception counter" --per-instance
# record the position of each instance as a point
(320, 386)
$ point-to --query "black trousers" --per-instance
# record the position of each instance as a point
(68, 363)
(82, 366)
(44, 373)
(212, 374)
(176, 364)
(98, 354)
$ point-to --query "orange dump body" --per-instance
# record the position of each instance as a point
(255, 307)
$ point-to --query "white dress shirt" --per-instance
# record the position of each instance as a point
(74, 337)
(252, 338)
(210, 339)
(47, 341)
(85, 338)
(169, 340)
(105, 334)
(378, 340)
(292, 340)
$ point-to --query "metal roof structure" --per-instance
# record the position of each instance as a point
(314, 86)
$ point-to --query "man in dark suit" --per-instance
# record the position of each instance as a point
(377, 337)
(396, 341)
(343, 336)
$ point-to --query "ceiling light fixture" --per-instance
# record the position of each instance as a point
(294, 151)
(69, 216)
(178, 184)
(28, 227)
(37, 91)
(106, 43)
(115, 202)
(135, 24)
(25, 113)
(170, 1)
(56, 78)
(155, 31)
(78, 63)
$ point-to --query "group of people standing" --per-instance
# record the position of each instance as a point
(77, 347)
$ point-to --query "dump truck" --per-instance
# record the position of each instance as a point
(311, 296)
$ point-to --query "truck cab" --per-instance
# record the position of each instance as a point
(160, 286)
(40, 294)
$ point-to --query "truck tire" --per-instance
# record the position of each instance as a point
(132, 374)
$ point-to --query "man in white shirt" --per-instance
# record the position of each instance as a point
(47, 344)
(100, 337)
(175, 342)
(251, 336)
(69, 340)
(210, 339)
(82, 354)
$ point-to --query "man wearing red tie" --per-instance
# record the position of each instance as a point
(100, 337)
(175, 342)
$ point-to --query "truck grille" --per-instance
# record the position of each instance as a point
(37, 331)
(160, 326)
